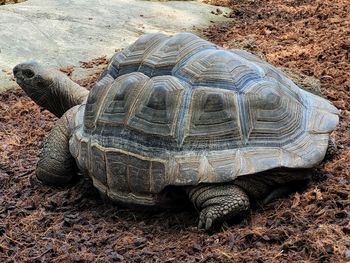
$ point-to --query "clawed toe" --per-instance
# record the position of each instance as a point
(218, 204)
(206, 221)
(212, 216)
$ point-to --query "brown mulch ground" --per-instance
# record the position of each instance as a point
(42, 224)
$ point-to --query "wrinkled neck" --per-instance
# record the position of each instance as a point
(63, 95)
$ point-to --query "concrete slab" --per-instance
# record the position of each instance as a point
(63, 32)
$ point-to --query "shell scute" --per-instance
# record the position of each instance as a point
(120, 99)
(213, 115)
(156, 110)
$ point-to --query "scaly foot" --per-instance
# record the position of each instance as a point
(217, 203)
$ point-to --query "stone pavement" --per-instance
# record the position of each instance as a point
(62, 33)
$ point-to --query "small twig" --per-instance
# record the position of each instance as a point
(15, 241)
(42, 254)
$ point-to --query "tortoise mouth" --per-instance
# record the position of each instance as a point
(24, 84)
(19, 80)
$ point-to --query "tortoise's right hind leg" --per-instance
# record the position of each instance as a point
(56, 166)
(217, 203)
(331, 149)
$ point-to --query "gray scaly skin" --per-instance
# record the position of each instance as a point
(54, 91)
(56, 166)
(216, 203)
(49, 88)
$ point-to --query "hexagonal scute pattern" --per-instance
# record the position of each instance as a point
(274, 117)
(179, 111)
(156, 110)
(120, 99)
(212, 119)
(130, 58)
(218, 68)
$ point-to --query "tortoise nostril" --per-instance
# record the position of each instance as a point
(15, 70)
(28, 73)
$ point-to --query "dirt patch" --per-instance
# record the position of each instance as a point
(43, 224)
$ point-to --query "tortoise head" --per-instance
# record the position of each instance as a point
(48, 87)
(36, 80)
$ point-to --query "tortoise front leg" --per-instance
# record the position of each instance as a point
(56, 166)
(217, 203)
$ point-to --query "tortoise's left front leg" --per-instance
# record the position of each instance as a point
(217, 203)
(56, 166)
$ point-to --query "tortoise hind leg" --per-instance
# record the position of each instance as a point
(217, 203)
(331, 150)
(56, 166)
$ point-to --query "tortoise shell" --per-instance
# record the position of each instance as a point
(179, 110)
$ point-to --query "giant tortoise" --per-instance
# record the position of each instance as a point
(178, 113)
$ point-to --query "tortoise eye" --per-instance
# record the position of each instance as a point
(28, 73)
